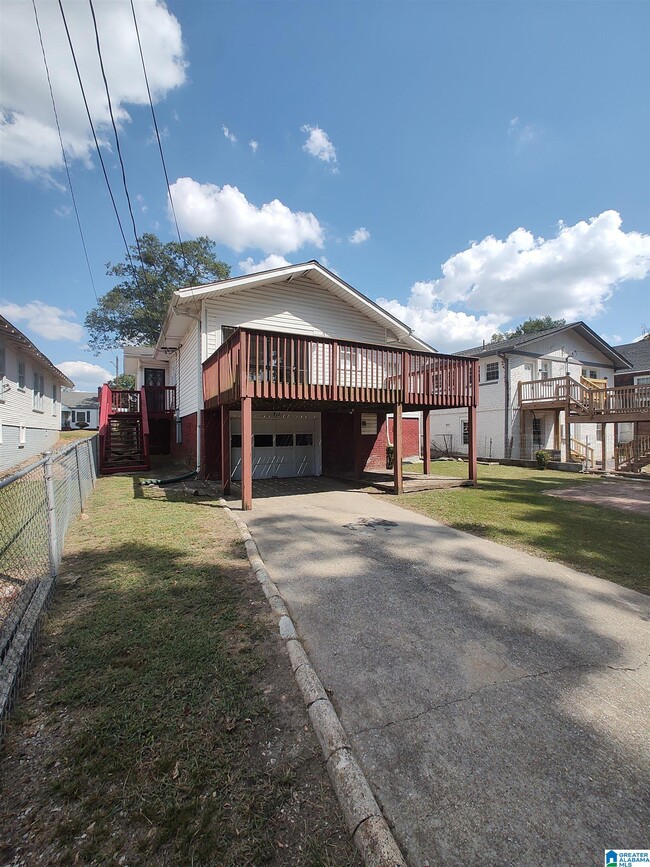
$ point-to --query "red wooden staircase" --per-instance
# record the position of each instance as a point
(123, 431)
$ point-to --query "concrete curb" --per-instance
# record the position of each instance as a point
(362, 814)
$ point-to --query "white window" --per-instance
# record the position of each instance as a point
(589, 373)
(492, 371)
(642, 380)
(226, 331)
(54, 398)
(599, 434)
(80, 415)
(369, 423)
(21, 375)
(544, 370)
(22, 436)
(39, 391)
(465, 433)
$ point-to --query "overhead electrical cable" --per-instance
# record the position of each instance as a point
(158, 138)
(117, 138)
(92, 127)
(63, 153)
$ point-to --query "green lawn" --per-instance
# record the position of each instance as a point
(510, 506)
(161, 723)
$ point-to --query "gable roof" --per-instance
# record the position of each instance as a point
(315, 271)
(513, 343)
(80, 399)
(638, 354)
(15, 336)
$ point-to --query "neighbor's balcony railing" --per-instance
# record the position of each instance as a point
(563, 390)
(265, 364)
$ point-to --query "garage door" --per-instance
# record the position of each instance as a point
(284, 445)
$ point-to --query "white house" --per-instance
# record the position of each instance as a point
(523, 397)
(79, 410)
(30, 398)
(286, 372)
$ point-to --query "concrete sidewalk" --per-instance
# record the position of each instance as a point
(497, 702)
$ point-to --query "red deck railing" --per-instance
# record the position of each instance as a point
(263, 364)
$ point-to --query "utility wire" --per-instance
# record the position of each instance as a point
(159, 140)
(117, 138)
(65, 159)
(92, 127)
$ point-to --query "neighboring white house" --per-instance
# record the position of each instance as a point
(326, 333)
(573, 350)
(79, 410)
(30, 398)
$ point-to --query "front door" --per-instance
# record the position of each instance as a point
(154, 376)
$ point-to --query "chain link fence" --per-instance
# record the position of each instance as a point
(37, 505)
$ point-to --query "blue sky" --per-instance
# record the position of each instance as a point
(469, 164)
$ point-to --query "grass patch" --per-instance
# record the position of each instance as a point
(510, 507)
(170, 728)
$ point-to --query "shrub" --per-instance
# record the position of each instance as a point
(390, 457)
(542, 457)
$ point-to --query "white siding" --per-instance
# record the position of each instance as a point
(188, 384)
(17, 404)
(298, 307)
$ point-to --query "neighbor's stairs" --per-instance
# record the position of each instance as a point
(635, 454)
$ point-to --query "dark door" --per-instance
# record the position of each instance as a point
(154, 377)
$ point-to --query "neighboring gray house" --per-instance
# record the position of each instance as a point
(79, 410)
(30, 395)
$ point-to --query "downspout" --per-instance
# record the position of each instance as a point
(506, 378)
(199, 354)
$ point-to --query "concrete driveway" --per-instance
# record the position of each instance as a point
(497, 702)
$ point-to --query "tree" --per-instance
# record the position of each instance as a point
(123, 380)
(531, 326)
(133, 311)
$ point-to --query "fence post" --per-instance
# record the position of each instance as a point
(81, 493)
(51, 513)
(91, 462)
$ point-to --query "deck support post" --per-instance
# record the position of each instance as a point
(522, 434)
(603, 446)
(637, 448)
(246, 453)
(567, 435)
(616, 446)
(426, 441)
(225, 449)
(557, 439)
(398, 449)
(356, 436)
(471, 446)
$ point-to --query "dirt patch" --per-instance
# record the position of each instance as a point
(627, 496)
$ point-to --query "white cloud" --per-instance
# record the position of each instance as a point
(232, 138)
(359, 236)
(318, 144)
(28, 139)
(63, 211)
(43, 319)
(443, 328)
(522, 134)
(248, 266)
(569, 276)
(226, 215)
(86, 376)
(253, 145)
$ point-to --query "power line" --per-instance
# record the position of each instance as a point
(92, 127)
(65, 159)
(159, 140)
(117, 138)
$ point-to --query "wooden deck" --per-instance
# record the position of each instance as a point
(583, 403)
(269, 366)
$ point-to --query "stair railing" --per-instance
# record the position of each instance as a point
(144, 416)
(583, 450)
(105, 400)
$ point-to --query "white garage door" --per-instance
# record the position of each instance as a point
(284, 445)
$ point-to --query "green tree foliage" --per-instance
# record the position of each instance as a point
(530, 326)
(133, 311)
(123, 380)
